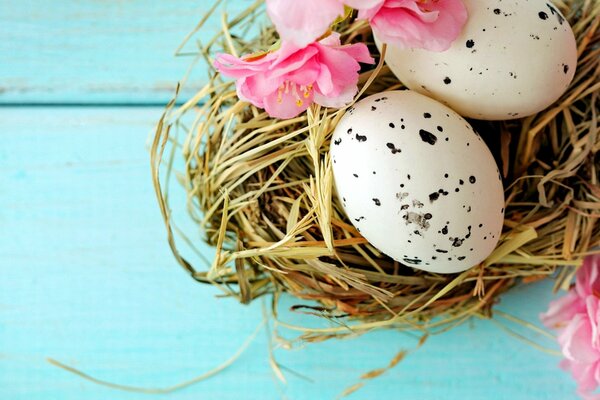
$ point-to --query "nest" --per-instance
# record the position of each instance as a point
(261, 191)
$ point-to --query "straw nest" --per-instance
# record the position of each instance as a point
(261, 191)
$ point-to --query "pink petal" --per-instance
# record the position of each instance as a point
(301, 22)
(291, 58)
(593, 310)
(588, 276)
(431, 25)
(245, 94)
(358, 51)
(584, 374)
(236, 68)
(343, 98)
(285, 105)
(338, 69)
(562, 310)
(576, 341)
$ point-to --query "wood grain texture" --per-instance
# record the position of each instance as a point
(99, 51)
(87, 278)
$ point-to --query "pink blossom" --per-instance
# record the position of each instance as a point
(302, 22)
(286, 81)
(427, 24)
(576, 317)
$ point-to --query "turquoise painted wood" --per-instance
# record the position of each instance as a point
(99, 51)
(87, 278)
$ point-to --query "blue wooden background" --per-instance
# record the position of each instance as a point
(86, 274)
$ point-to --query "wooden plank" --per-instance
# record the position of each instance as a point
(87, 278)
(99, 51)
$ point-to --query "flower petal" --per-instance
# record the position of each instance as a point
(576, 341)
(588, 277)
(562, 310)
(432, 25)
(301, 22)
(286, 105)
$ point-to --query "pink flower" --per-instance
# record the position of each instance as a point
(576, 316)
(302, 22)
(286, 81)
(427, 24)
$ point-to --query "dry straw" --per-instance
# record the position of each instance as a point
(261, 191)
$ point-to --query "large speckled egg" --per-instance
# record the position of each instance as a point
(418, 182)
(512, 59)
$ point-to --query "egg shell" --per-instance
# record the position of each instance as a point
(417, 181)
(512, 59)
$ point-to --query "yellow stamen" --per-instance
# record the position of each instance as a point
(299, 103)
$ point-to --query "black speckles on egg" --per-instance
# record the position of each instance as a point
(440, 129)
(401, 195)
(461, 258)
(565, 68)
(470, 43)
(461, 182)
(337, 142)
(457, 242)
(555, 12)
(447, 80)
(426, 115)
(446, 176)
(361, 138)
(391, 125)
(393, 148)
(349, 131)
(427, 137)
(434, 196)
(359, 219)
(373, 108)
(417, 219)
(441, 251)
(543, 15)
(472, 179)
(497, 11)
(413, 261)
(355, 175)
(380, 99)
(377, 202)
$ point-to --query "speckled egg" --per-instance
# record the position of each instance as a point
(513, 59)
(418, 182)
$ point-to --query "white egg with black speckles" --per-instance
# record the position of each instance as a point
(418, 182)
(512, 59)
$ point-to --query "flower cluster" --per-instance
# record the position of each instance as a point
(312, 65)
(576, 317)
